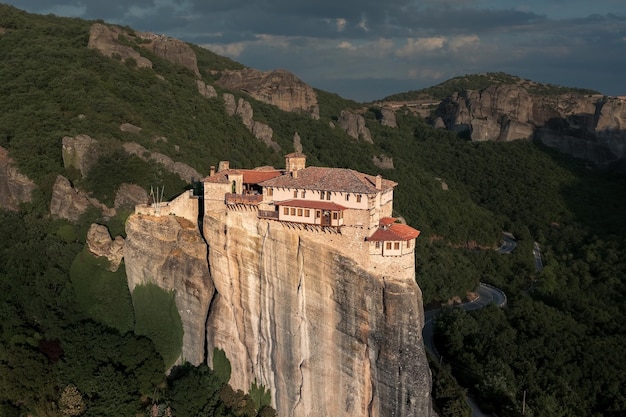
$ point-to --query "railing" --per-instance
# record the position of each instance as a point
(251, 199)
(268, 214)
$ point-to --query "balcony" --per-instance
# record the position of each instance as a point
(247, 199)
(268, 214)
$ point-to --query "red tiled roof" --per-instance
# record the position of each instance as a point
(386, 221)
(312, 204)
(394, 232)
(255, 177)
(330, 179)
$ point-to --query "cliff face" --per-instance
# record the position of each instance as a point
(280, 88)
(169, 252)
(15, 187)
(326, 336)
(589, 127)
(292, 310)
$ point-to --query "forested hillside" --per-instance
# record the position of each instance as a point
(561, 338)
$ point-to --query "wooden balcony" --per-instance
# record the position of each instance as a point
(268, 214)
(247, 199)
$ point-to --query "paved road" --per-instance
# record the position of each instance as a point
(537, 254)
(487, 294)
(508, 243)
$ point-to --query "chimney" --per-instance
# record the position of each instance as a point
(379, 182)
(212, 171)
(294, 174)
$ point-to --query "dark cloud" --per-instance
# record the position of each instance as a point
(381, 46)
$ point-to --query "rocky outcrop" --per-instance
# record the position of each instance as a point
(206, 90)
(79, 152)
(130, 128)
(243, 109)
(388, 117)
(279, 88)
(184, 171)
(69, 203)
(591, 127)
(104, 38)
(169, 252)
(15, 187)
(99, 243)
(300, 316)
(174, 50)
(130, 195)
(383, 161)
(354, 125)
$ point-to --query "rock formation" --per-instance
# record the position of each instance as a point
(184, 171)
(300, 316)
(69, 203)
(383, 161)
(326, 333)
(591, 127)
(279, 88)
(130, 195)
(104, 38)
(130, 128)
(79, 152)
(169, 252)
(15, 187)
(243, 109)
(388, 117)
(354, 125)
(99, 243)
(174, 50)
(206, 90)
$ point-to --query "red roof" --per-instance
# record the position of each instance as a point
(255, 177)
(386, 221)
(394, 232)
(320, 205)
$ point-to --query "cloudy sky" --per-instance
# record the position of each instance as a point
(367, 49)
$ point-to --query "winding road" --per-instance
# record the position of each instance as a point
(487, 294)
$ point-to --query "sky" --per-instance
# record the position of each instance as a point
(368, 49)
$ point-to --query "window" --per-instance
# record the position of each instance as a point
(299, 212)
(318, 213)
(358, 198)
(327, 195)
(307, 213)
(396, 245)
(286, 211)
(335, 215)
(347, 197)
(388, 246)
(408, 243)
(293, 211)
(321, 195)
(377, 245)
(270, 192)
(295, 194)
(303, 194)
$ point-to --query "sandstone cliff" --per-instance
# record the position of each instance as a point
(279, 88)
(592, 127)
(243, 109)
(104, 38)
(325, 335)
(15, 187)
(169, 252)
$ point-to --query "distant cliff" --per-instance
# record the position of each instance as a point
(305, 320)
(591, 127)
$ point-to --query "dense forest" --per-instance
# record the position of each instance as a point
(66, 349)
